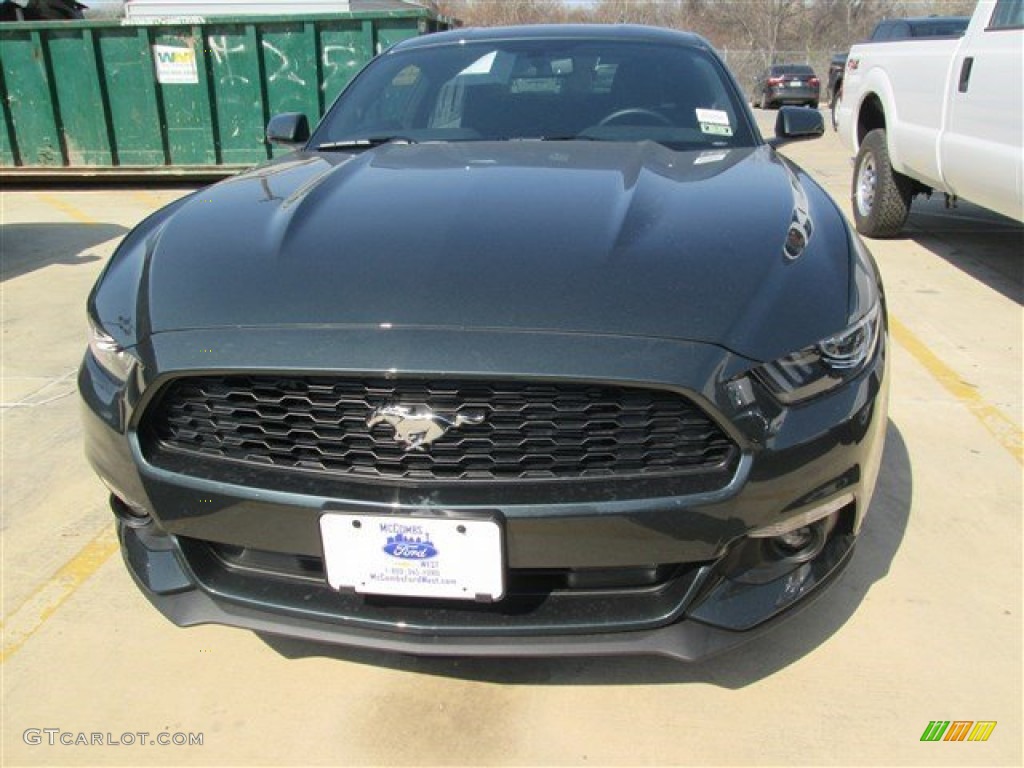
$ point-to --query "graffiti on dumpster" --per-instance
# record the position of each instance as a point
(278, 65)
(221, 52)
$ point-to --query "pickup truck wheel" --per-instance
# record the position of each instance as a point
(881, 197)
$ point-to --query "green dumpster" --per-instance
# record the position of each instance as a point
(189, 97)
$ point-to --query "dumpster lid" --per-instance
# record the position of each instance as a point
(159, 9)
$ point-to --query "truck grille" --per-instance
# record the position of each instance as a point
(528, 430)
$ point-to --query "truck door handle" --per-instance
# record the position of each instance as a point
(965, 73)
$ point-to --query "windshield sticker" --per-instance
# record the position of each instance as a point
(711, 157)
(713, 117)
(716, 130)
(175, 64)
(481, 66)
(535, 85)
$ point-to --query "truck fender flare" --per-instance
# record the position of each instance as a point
(876, 83)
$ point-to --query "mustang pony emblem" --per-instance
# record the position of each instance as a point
(417, 426)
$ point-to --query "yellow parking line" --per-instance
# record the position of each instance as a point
(148, 198)
(66, 208)
(1001, 426)
(26, 620)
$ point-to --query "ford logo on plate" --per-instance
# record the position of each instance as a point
(410, 547)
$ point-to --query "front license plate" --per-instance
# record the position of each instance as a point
(437, 557)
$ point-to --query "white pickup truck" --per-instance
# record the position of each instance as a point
(942, 115)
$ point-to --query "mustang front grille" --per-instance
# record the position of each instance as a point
(486, 430)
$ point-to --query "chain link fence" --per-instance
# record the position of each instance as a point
(747, 64)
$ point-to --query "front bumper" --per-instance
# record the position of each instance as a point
(247, 554)
(159, 569)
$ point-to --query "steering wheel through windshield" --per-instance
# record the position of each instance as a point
(617, 116)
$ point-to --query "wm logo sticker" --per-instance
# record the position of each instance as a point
(958, 730)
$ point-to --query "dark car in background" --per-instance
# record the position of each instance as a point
(787, 84)
(533, 347)
(893, 29)
(836, 67)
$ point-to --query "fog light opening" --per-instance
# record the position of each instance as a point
(796, 540)
(133, 517)
(804, 543)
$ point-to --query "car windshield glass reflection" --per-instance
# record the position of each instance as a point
(540, 90)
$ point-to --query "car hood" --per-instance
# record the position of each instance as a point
(576, 237)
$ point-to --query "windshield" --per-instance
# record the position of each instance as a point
(601, 90)
(939, 28)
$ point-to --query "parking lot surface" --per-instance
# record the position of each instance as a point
(924, 625)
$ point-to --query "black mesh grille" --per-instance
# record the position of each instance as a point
(528, 430)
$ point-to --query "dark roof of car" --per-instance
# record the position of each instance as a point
(623, 32)
(932, 19)
(926, 23)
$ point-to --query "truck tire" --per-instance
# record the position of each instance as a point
(881, 197)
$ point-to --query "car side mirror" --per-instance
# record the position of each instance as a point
(795, 123)
(288, 128)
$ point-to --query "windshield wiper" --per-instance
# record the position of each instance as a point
(367, 143)
(570, 137)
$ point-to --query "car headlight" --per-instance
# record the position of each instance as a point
(824, 366)
(111, 356)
